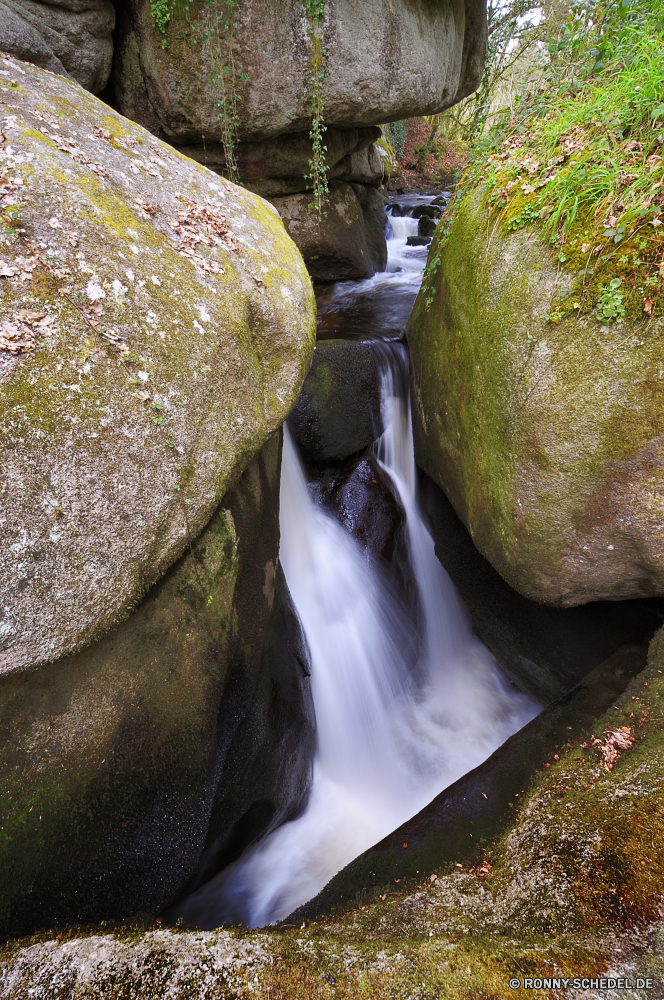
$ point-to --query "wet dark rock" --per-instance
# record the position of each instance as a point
(544, 650)
(442, 199)
(432, 211)
(274, 750)
(426, 226)
(338, 412)
(418, 241)
(365, 503)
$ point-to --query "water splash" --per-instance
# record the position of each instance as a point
(391, 734)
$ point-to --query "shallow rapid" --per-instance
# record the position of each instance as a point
(397, 720)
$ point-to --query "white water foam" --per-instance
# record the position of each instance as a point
(390, 734)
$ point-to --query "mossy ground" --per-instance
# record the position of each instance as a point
(573, 889)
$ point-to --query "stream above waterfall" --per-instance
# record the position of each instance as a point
(406, 698)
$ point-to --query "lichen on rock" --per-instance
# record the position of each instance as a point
(181, 323)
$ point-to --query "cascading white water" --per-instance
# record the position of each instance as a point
(391, 734)
(403, 226)
(399, 258)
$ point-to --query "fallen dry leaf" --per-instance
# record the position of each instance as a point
(616, 740)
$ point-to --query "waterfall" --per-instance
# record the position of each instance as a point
(390, 734)
(403, 226)
(400, 259)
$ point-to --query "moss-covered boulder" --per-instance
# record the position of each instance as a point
(155, 329)
(142, 764)
(541, 419)
(157, 325)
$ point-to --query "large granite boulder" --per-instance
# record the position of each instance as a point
(72, 37)
(178, 325)
(384, 61)
(544, 428)
(156, 328)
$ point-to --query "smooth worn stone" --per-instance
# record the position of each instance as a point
(363, 167)
(347, 241)
(339, 409)
(136, 765)
(142, 391)
(70, 36)
(384, 61)
(481, 803)
(20, 39)
(418, 241)
(442, 199)
(432, 211)
(548, 437)
(545, 651)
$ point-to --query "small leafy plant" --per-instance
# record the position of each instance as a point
(528, 214)
(610, 304)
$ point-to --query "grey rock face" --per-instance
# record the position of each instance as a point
(277, 166)
(72, 37)
(385, 61)
(138, 454)
(347, 241)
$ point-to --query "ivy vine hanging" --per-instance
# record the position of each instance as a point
(220, 32)
(317, 177)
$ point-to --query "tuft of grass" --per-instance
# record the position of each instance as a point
(583, 165)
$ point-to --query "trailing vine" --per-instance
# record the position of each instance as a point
(220, 32)
(317, 177)
(398, 137)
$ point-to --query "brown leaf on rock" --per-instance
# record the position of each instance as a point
(615, 741)
(481, 871)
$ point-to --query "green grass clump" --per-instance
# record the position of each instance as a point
(582, 162)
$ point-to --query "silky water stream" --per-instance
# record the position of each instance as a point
(399, 716)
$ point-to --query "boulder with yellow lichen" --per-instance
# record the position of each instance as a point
(156, 324)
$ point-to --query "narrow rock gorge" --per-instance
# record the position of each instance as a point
(331, 645)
